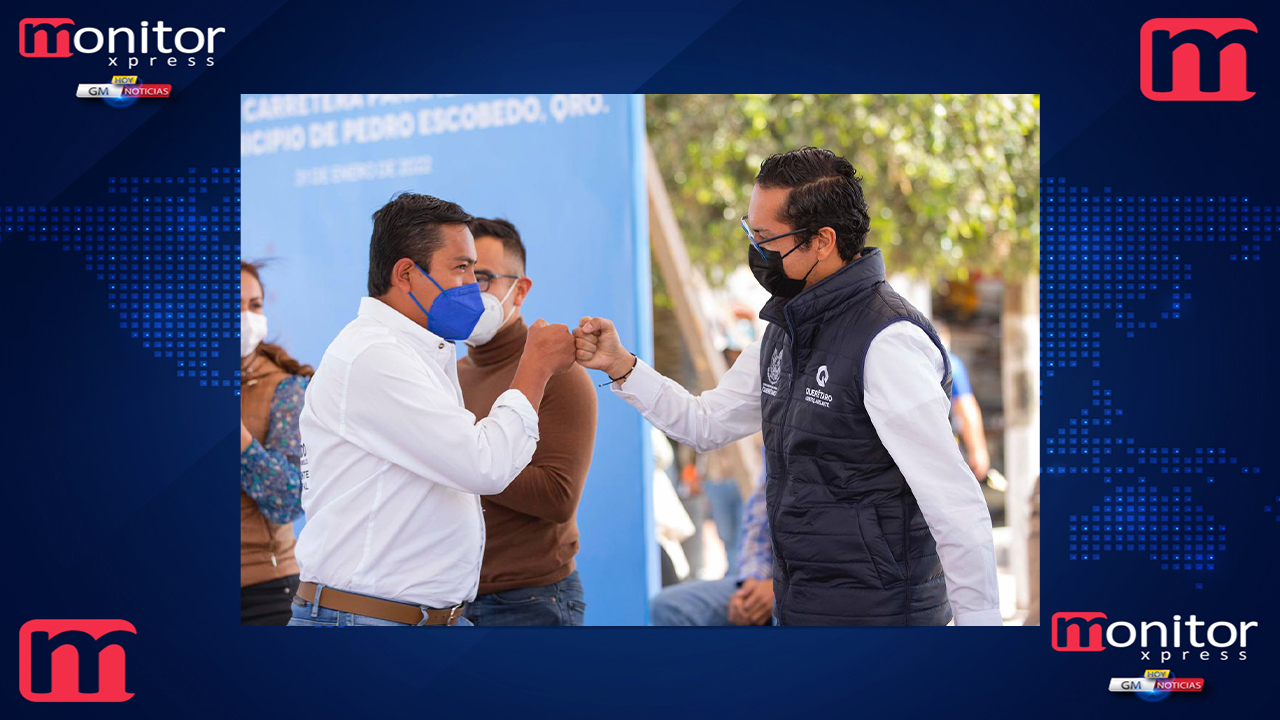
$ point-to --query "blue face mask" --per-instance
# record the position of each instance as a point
(455, 312)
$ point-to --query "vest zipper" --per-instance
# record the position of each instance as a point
(773, 521)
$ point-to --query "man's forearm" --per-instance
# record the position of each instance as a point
(531, 379)
(705, 422)
(972, 433)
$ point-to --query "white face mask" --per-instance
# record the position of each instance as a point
(492, 320)
(253, 330)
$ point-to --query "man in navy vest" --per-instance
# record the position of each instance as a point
(875, 517)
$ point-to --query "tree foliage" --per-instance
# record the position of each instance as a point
(952, 181)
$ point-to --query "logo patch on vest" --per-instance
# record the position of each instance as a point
(769, 384)
(817, 397)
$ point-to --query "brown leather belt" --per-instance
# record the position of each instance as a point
(406, 613)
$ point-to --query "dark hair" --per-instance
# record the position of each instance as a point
(273, 352)
(825, 191)
(407, 227)
(502, 230)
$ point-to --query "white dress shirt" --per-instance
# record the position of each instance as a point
(394, 465)
(902, 391)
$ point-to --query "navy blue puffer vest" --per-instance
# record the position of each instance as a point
(850, 544)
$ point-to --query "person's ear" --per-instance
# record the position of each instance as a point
(523, 286)
(401, 273)
(826, 243)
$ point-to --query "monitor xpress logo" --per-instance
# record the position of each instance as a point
(74, 660)
(143, 46)
(1197, 59)
(1084, 632)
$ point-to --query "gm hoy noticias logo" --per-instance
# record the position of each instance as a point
(1197, 59)
(1155, 685)
(123, 90)
(1189, 639)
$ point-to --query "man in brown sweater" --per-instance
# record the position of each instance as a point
(528, 575)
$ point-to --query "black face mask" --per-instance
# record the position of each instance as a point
(771, 275)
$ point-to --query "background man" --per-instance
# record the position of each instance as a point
(393, 464)
(742, 599)
(528, 576)
(965, 411)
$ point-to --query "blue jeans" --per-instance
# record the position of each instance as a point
(304, 615)
(559, 603)
(702, 603)
(726, 503)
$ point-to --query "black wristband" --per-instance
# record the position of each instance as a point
(634, 360)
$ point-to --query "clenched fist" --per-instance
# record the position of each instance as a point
(600, 348)
(549, 346)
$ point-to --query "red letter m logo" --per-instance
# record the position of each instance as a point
(40, 37)
(74, 660)
(1077, 632)
(1197, 59)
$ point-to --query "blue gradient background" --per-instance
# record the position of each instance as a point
(118, 469)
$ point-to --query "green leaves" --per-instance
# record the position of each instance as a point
(952, 181)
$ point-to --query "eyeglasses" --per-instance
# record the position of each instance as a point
(483, 279)
(751, 236)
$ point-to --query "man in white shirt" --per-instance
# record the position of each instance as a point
(875, 517)
(393, 464)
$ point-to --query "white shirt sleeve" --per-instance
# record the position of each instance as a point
(903, 394)
(728, 412)
(397, 411)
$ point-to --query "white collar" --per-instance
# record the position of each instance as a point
(428, 343)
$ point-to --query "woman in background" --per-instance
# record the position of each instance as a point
(271, 391)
